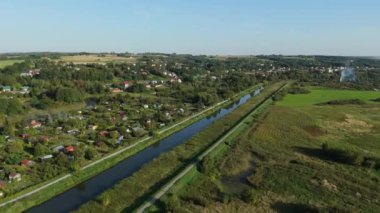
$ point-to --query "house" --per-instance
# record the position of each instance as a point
(73, 132)
(69, 149)
(45, 157)
(58, 148)
(14, 177)
(146, 106)
(30, 73)
(126, 84)
(1, 194)
(116, 90)
(99, 143)
(35, 124)
(24, 90)
(26, 162)
(6, 88)
(60, 128)
(148, 123)
(92, 127)
(119, 139)
(24, 136)
(2, 184)
(104, 133)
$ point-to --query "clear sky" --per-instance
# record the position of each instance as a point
(228, 27)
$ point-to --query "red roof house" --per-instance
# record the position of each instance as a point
(126, 84)
(26, 162)
(104, 133)
(69, 148)
(35, 124)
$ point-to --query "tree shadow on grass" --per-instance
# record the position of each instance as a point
(293, 208)
(333, 155)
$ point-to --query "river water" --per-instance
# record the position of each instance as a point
(90, 189)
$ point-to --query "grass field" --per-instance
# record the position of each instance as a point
(83, 59)
(4, 63)
(281, 165)
(322, 95)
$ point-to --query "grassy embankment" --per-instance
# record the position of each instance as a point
(153, 175)
(303, 157)
(85, 174)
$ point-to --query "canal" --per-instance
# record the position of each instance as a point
(91, 188)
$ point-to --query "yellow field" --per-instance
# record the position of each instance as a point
(84, 59)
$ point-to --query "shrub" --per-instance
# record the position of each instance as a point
(208, 167)
(172, 204)
(257, 177)
(105, 200)
(343, 102)
(250, 196)
(298, 90)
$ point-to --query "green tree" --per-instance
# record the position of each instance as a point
(172, 204)
(40, 149)
(91, 153)
(14, 147)
(9, 128)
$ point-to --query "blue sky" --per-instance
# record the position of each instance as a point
(227, 27)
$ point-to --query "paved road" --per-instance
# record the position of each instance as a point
(106, 157)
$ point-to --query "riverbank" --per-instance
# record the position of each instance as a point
(152, 175)
(44, 191)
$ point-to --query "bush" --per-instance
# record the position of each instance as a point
(208, 167)
(298, 90)
(90, 153)
(105, 200)
(343, 102)
(257, 177)
(172, 204)
(250, 196)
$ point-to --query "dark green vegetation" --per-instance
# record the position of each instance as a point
(151, 177)
(304, 158)
(343, 102)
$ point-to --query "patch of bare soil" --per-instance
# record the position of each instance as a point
(314, 130)
(350, 124)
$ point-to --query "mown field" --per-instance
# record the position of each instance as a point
(322, 95)
(301, 157)
(4, 63)
(83, 59)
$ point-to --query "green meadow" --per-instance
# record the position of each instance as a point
(298, 157)
(322, 95)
